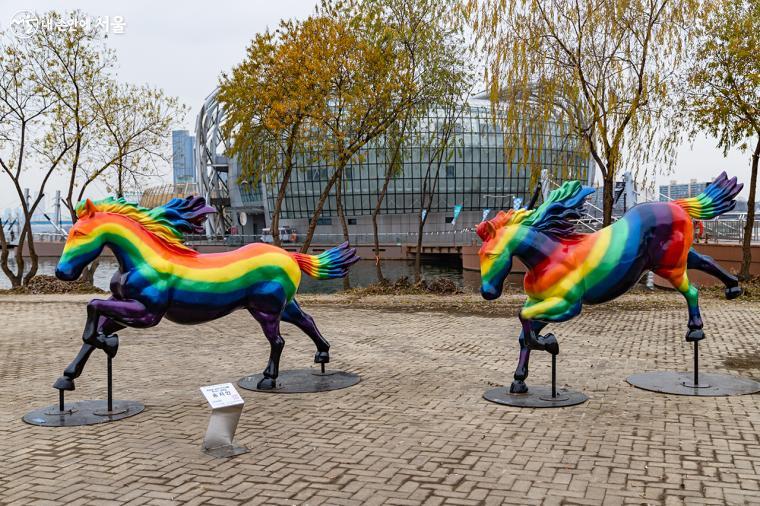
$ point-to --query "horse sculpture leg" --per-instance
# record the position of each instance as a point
(295, 315)
(680, 281)
(535, 315)
(270, 324)
(707, 265)
(102, 318)
(106, 328)
(521, 372)
(552, 309)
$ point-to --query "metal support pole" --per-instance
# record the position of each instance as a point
(534, 198)
(554, 376)
(110, 386)
(323, 367)
(696, 363)
(57, 207)
(60, 400)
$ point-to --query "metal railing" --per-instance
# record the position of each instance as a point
(728, 231)
(458, 237)
(49, 237)
(715, 231)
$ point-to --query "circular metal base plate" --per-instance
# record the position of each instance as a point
(224, 452)
(679, 383)
(535, 397)
(82, 413)
(299, 381)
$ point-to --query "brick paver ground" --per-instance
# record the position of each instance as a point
(414, 430)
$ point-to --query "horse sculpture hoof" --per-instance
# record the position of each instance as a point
(64, 383)
(733, 292)
(518, 387)
(694, 335)
(266, 384)
(322, 357)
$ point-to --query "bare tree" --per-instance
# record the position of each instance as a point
(612, 63)
(28, 114)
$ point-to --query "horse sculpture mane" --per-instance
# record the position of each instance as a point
(553, 217)
(168, 223)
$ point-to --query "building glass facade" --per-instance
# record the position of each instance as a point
(183, 157)
(482, 169)
(674, 190)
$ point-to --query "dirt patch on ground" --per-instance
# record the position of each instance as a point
(405, 286)
(40, 285)
(508, 304)
(743, 362)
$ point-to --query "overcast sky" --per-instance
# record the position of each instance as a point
(183, 46)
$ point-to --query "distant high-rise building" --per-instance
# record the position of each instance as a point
(183, 156)
(675, 190)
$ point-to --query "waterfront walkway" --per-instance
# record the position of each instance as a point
(416, 429)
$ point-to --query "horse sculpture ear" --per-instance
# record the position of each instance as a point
(89, 209)
(502, 218)
(486, 230)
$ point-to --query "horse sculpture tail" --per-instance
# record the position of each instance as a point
(718, 198)
(333, 263)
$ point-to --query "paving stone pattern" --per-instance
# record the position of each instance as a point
(415, 430)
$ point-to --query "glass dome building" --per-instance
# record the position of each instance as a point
(482, 169)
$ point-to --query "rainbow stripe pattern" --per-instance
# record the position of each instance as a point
(333, 263)
(567, 269)
(169, 278)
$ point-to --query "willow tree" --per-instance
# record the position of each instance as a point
(430, 36)
(723, 93)
(441, 145)
(595, 69)
(268, 99)
(366, 89)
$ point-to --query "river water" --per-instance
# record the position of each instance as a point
(362, 274)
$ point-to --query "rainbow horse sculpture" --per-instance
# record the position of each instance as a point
(567, 269)
(160, 277)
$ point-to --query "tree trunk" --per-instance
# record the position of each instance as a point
(418, 252)
(275, 225)
(4, 255)
(32, 252)
(88, 273)
(318, 212)
(608, 197)
(120, 180)
(744, 275)
(426, 208)
(342, 216)
(375, 213)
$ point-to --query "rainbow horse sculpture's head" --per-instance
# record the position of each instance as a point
(94, 228)
(514, 232)
(501, 236)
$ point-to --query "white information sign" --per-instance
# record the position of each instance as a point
(222, 395)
